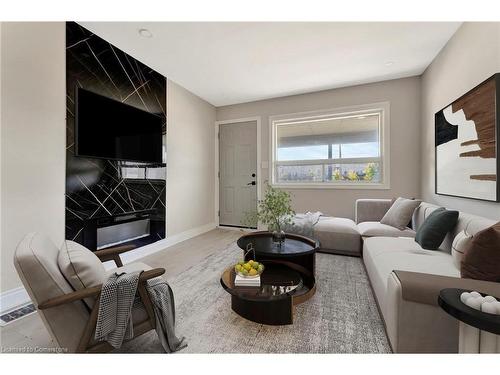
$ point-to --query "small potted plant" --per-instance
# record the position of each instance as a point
(274, 211)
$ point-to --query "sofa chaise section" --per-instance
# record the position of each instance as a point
(339, 235)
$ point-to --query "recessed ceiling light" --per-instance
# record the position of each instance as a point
(145, 33)
(389, 63)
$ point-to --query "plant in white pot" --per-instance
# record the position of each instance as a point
(274, 211)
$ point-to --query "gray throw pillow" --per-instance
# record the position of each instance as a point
(400, 213)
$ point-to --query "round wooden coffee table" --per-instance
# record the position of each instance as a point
(288, 279)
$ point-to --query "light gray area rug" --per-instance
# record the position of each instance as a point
(342, 317)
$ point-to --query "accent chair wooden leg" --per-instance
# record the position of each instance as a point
(89, 328)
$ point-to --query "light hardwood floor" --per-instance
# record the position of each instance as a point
(29, 332)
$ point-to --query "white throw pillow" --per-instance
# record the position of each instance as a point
(400, 213)
(81, 267)
(457, 248)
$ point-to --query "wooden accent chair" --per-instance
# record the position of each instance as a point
(68, 305)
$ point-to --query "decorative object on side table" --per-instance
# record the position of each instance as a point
(275, 211)
(479, 316)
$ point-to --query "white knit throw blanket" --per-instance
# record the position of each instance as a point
(118, 299)
(114, 321)
(303, 224)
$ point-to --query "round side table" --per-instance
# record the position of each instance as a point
(478, 331)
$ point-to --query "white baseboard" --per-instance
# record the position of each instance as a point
(13, 298)
(17, 297)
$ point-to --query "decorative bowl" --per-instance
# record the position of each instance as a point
(249, 270)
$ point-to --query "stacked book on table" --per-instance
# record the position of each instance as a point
(244, 281)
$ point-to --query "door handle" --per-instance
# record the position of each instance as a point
(251, 183)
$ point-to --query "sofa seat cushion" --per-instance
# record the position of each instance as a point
(336, 233)
(377, 229)
(382, 255)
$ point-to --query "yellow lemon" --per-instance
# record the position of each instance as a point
(247, 266)
(252, 272)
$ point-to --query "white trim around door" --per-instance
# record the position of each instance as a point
(258, 120)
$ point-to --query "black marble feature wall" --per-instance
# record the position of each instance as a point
(101, 193)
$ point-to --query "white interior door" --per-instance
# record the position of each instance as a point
(238, 168)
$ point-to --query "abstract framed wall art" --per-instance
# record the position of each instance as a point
(467, 145)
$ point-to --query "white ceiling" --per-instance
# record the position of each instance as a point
(228, 63)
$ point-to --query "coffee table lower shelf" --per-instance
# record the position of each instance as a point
(271, 303)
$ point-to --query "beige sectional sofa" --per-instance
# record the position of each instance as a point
(406, 279)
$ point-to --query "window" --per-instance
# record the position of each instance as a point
(336, 148)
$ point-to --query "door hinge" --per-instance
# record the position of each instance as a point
(218, 213)
(218, 135)
(218, 174)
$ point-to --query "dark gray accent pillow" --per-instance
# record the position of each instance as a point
(433, 230)
(400, 213)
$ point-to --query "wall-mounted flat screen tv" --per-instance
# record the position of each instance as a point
(108, 129)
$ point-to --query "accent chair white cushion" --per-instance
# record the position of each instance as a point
(81, 267)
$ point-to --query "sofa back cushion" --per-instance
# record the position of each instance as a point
(481, 259)
(471, 224)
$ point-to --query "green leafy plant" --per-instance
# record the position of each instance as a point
(275, 210)
(370, 171)
(336, 175)
(352, 176)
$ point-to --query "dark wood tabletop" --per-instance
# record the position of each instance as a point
(449, 300)
(294, 245)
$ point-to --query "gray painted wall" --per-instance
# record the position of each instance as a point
(404, 97)
(190, 160)
(471, 56)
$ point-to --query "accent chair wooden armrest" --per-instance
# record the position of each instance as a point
(113, 253)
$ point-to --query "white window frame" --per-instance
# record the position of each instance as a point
(382, 108)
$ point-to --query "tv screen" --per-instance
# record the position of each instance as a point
(106, 128)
